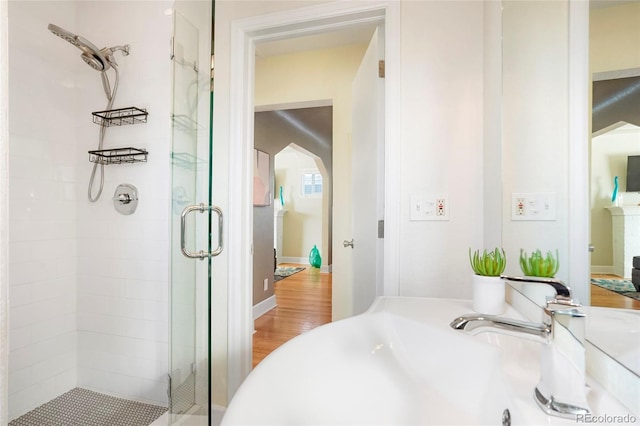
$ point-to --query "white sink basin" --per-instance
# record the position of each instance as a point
(618, 332)
(397, 364)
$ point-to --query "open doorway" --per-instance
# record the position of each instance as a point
(248, 36)
(302, 218)
(303, 99)
(298, 143)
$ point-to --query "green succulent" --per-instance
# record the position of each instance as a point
(489, 264)
(538, 266)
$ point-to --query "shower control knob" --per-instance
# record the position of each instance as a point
(125, 199)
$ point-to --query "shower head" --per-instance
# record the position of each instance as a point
(93, 56)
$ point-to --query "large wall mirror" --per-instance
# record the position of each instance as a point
(535, 100)
(538, 103)
(614, 51)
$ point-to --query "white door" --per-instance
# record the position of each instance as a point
(361, 250)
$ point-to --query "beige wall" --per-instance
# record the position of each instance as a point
(322, 75)
(303, 221)
(614, 45)
(615, 38)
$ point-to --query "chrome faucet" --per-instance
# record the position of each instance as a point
(561, 391)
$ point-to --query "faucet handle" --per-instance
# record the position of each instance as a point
(564, 307)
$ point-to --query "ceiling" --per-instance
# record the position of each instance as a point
(360, 34)
(598, 4)
(314, 122)
(355, 34)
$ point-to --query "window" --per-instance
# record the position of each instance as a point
(311, 183)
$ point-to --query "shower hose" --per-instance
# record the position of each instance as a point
(111, 95)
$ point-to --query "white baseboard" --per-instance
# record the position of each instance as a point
(303, 261)
(217, 413)
(300, 260)
(602, 269)
(263, 307)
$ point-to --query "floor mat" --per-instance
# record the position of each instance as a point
(623, 287)
(284, 272)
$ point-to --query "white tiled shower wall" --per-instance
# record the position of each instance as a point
(88, 286)
(123, 262)
(42, 193)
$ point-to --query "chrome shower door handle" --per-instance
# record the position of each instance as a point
(183, 225)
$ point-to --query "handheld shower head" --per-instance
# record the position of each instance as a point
(90, 53)
(100, 60)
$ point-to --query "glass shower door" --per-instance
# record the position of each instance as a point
(189, 367)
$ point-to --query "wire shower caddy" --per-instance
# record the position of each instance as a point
(119, 117)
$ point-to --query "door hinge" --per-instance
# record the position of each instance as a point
(381, 228)
(381, 68)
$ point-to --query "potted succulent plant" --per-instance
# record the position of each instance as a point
(536, 265)
(488, 287)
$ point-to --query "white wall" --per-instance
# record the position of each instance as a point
(4, 217)
(441, 142)
(441, 146)
(123, 261)
(535, 124)
(88, 286)
(42, 197)
(442, 121)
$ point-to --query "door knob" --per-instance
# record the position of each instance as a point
(348, 243)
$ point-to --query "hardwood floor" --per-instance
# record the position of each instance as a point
(610, 299)
(304, 302)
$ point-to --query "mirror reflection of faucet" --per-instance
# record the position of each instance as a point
(561, 391)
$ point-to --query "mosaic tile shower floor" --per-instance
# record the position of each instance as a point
(82, 407)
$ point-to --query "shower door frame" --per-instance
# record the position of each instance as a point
(4, 221)
(190, 279)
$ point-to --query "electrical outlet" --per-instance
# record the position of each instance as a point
(429, 207)
(520, 206)
(441, 207)
(533, 206)
(266, 284)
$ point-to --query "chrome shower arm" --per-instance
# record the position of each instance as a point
(108, 53)
(124, 49)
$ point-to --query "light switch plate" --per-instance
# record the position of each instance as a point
(429, 207)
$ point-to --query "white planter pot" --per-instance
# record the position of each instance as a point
(488, 295)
